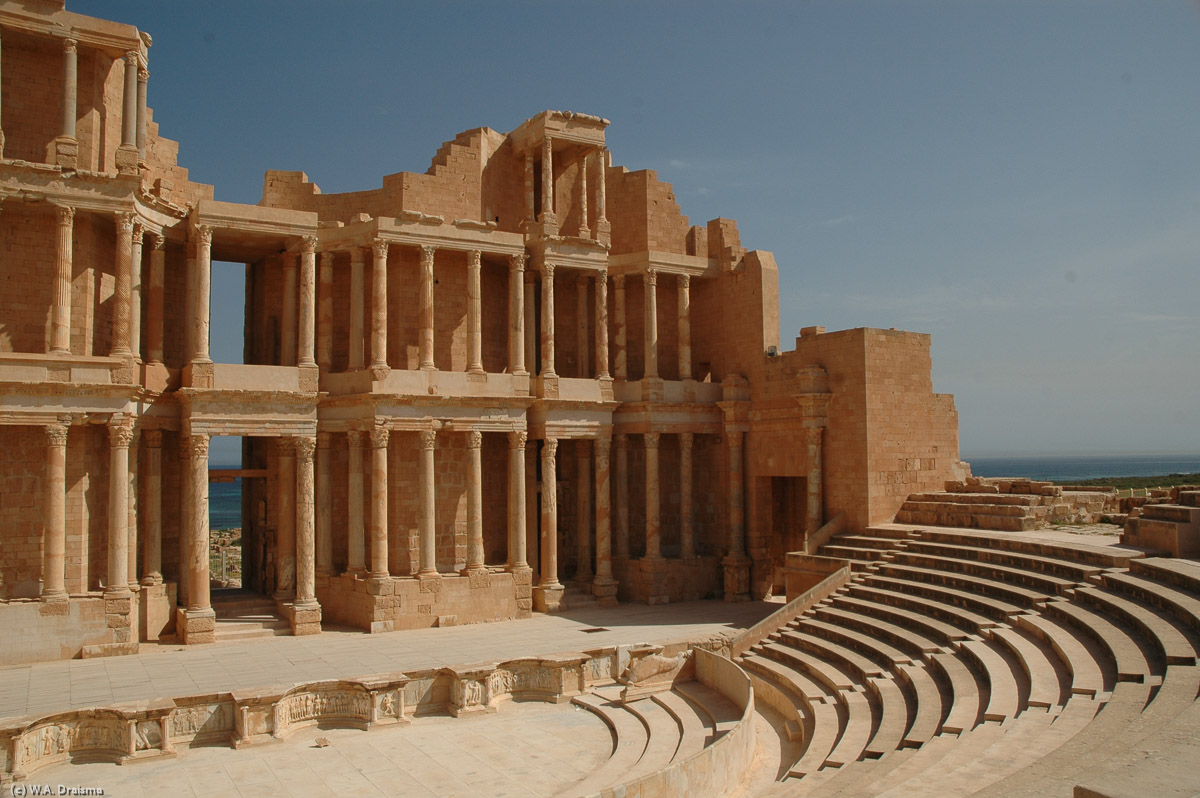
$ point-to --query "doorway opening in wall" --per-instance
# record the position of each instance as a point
(226, 517)
(227, 335)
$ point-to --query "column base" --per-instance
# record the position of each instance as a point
(478, 578)
(196, 626)
(547, 386)
(64, 152)
(157, 606)
(737, 577)
(652, 389)
(605, 591)
(199, 374)
(305, 618)
(127, 159)
(523, 588)
(379, 371)
(653, 574)
(54, 598)
(548, 598)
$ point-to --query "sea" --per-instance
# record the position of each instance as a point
(225, 498)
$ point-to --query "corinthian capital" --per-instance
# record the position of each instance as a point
(305, 448)
(379, 437)
(120, 432)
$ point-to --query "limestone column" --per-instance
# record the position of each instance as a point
(548, 181)
(474, 314)
(186, 509)
(685, 327)
(191, 300)
(650, 298)
(529, 215)
(427, 310)
(814, 514)
(583, 510)
(379, 496)
(285, 528)
(60, 311)
(120, 434)
(1, 134)
(143, 78)
(602, 324)
(475, 558)
(622, 477)
(516, 314)
(517, 553)
(602, 226)
(549, 538)
(70, 87)
(584, 230)
(324, 505)
(54, 529)
(581, 324)
(603, 586)
(356, 553)
(620, 358)
(357, 301)
(122, 294)
(204, 235)
(379, 306)
(131, 525)
(198, 578)
(287, 324)
(308, 301)
(737, 515)
(531, 342)
(135, 293)
(129, 111)
(687, 535)
(548, 320)
(325, 313)
(653, 522)
(154, 299)
(306, 583)
(426, 517)
(152, 512)
(532, 515)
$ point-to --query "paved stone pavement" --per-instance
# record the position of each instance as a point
(525, 749)
(173, 670)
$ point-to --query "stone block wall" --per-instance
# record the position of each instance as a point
(31, 71)
(27, 244)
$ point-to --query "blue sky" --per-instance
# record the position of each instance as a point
(1019, 179)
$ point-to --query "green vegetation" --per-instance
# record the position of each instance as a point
(1168, 481)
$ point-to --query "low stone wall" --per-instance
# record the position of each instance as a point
(37, 631)
(836, 574)
(397, 603)
(669, 579)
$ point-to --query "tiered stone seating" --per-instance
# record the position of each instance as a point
(1010, 513)
(1174, 528)
(964, 663)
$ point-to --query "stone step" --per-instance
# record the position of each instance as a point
(630, 737)
(1123, 649)
(1085, 662)
(1065, 569)
(929, 600)
(1177, 513)
(1103, 556)
(903, 639)
(1182, 574)
(1003, 690)
(1183, 605)
(983, 596)
(1043, 583)
(993, 499)
(966, 517)
(1173, 645)
(965, 694)
(1045, 673)
(921, 626)
(693, 732)
(665, 735)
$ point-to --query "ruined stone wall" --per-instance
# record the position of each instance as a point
(644, 213)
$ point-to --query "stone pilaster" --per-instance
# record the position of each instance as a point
(602, 325)
(687, 535)
(584, 230)
(379, 361)
(325, 312)
(191, 300)
(197, 624)
(427, 309)
(474, 314)
(379, 496)
(583, 512)
(2, 132)
(287, 321)
(426, 518)
(622, 477)
(285, 528)
(547, 597)
(517, 551)
(620, 357)
(143, 80)
(529, 203)
(357, 303)
(604, 587)
(152, 514)
(54, 529)
(516, 314)
(308, 302)
(356, 554)
(60, 310)
(186, 501)
(531, 339)
(603, 228)
(154, 299)
(131, 504)
(324, 505)
(122, 294)
(475, 557)
(548, 219)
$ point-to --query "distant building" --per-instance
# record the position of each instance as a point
(516, 381)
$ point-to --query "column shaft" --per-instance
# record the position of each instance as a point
(356, 553)
(129, 110)
(427, 310)
(622, 477)
(529, 214)
(186, 501)
(306, 583)
(357, 302)
(581, 324)
(198, 577)
(287, 323)
(516, 314)
(60, 311)
(154, 299)
(687, 541)
(584, 230)
(653, 520)
(532, 516)
(70, 87)
(379, 497)
(474, 314)
(549, 538)
(308, 302)
(54, 529)
(202, 297)
(650, 298)
(135, 292)
(602, 324)
(324, 505)
(131, 545)
(426, 518)
(583, 510)
(517, 553)
(379, 305)
(143, 78)
(814, 514)
(325, 313)
(603, 512)
(122, 298)
(191, 299)
(152, 511)
(548, 320)
(285, 529)
(620, 358)
(601, 202)
(531, 341)
(737, 515)
(547, 178)
(475, 557)
(685, 327)
(120, 434)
